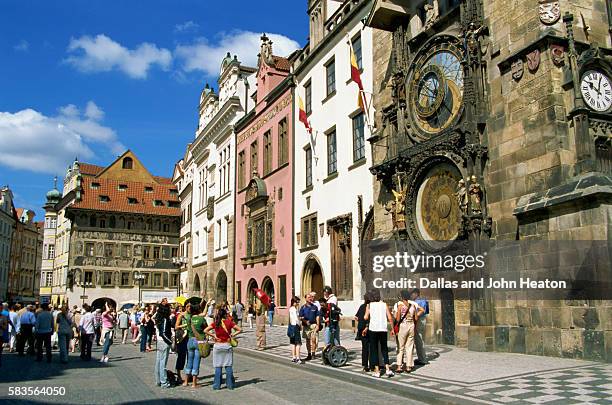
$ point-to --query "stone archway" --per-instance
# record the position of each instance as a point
(99, 303)
(312, 276)
(268, 287)
(221, 287)
(249, 292)
(196, 285)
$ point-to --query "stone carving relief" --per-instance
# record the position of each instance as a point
(533, 60)
(517, 69)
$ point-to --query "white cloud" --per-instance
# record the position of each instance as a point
(102, 54)
(206, 56)
(32, 141)
(187, 26)
(22, 46)
(93, 112)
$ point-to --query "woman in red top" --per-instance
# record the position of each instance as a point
(223, 353)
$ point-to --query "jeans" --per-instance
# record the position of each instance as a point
(108, 341)
(229, 375)
(64, 344)
(193, 358)
(181, 355)
(270, 317)
(86, 343)
(377, 338)
(46, 339)
(163, 349)
(332, 331)
(143, 339)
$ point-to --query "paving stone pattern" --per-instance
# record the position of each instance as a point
(561, 381)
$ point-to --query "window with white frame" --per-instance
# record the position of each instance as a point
(218, 235)
(196, 244)
(51, 252)
(203, 188)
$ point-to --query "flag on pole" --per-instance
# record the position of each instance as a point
(356, 77)
(302, 115)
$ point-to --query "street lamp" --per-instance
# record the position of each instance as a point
(140, 278)
(179, 262)
(85, 284)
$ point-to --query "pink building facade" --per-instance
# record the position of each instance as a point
(264, 192)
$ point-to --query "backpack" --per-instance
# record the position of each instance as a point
(334, 312)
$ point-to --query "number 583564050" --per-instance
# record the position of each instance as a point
(36, 391)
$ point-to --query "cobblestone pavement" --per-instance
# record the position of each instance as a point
(128, 378)
(476, 377)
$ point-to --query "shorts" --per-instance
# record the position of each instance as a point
(294, 335)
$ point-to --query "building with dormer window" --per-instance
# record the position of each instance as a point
(205, 179)
(264, 186)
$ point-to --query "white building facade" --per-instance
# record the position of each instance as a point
(209, 171)
(333, 185)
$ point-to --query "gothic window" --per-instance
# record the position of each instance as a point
(283, 140)
(267, 152)
(309, 231)
(241, 170)
(254, 163)
(259, 237)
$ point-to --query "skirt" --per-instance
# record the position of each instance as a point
(223, 355)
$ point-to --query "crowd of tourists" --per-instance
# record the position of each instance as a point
(194, 331)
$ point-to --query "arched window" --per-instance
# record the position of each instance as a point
(127, 163)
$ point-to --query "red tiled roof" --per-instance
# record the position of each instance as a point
(118, 200)
(163, 180)
(92, 170)
(281, 63)
(19, 212)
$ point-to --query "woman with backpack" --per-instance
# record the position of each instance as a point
(195, 331)
(379, 316)
(404, 326)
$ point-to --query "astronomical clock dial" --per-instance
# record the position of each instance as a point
(596, 90)
(438, 215)
(436, 89)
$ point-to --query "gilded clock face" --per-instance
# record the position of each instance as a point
(436, 89)
(438, 216)
(596, 90)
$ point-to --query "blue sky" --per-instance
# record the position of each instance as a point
(90, 79)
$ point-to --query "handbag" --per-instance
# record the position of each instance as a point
(203, 345)
(397, 324)
(233, 342)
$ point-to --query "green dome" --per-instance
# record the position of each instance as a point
(54, 194)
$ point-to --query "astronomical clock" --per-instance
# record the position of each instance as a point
(434, 165)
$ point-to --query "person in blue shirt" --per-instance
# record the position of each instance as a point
(420, 317)
(27, 321)
(44, 327)
(311, 321)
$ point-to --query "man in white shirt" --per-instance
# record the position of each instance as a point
(86, 326)
(332, 326)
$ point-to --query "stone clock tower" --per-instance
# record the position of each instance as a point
(494, 122)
